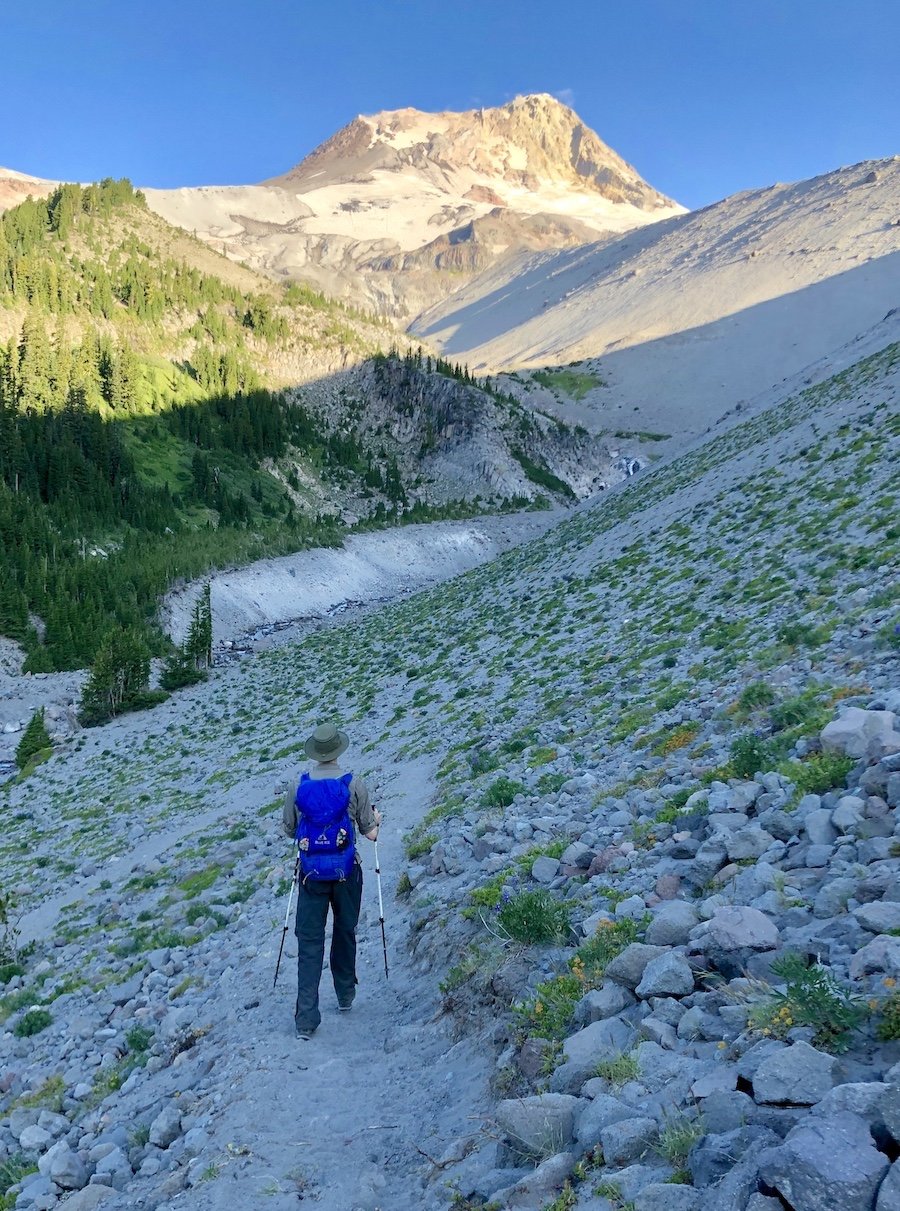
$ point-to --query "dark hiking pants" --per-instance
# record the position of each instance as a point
(344, 896)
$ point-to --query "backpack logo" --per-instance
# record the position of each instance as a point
(325, 835)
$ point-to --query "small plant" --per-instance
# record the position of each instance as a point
(418, 843)
(611, 938)
(32, 1022)
(533, 917)
(549, 1015)
(748, 754)
(677, 1138)
(404, 887)
(812, 997)
(755, 696)
(501, 792)
(820, 772)
(12, 1170)
(619, 1069)
(139, 1039)
(889, 1026)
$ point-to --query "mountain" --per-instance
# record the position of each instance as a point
(163, 410)
(400, 208)
(678, 322)
(15, 187)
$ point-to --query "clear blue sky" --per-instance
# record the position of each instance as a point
(704, 97)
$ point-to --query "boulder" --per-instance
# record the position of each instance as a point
(855, 729)
(672, 924)
(794, 1076)
(826, 1164)
(166, 1127)
(880, 956)
(599, 1113)
(628, 967)
(735, 927)
(881, 916)
(889, 1190)
(667, 976)
(661, 1196)
(539, 1126)
(628, 1140)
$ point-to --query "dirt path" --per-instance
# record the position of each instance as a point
(338, 1118)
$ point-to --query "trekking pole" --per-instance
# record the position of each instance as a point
(381, 911)
(287, 917)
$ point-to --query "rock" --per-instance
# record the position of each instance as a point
(889, 1190)
(881, 916)
(667, 976)
(882, 955)
(599, 1113)
(584, 1050)
(166, 1127)
(826, 1164)
(628, 1140)
(667, 887)
(537, 1187)
(749, 842)
(544, 869)
(89, 1198)
(848, 814)
(661, 1196)
(602, 1003)
(628, 967)
(819, 828)
(538, 1126)
(35, 1139)
(672, 924)
(738, 928)
(113, 1170)
(713, 1157)
(852, 733)
(798, 1076)
(65, 1167)
(577, 854)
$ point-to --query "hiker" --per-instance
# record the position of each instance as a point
(323, 815)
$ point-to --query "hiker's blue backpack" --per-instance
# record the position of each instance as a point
(325, 835)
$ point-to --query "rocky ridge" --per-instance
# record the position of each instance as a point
(573, 711)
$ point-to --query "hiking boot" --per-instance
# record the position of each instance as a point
(303, 1032)
(345, 1006)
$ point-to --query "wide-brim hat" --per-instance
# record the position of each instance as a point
(326, 743)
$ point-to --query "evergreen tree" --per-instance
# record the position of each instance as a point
(35, 739)
(119, 679)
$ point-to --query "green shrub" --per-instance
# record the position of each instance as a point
(748, 754)
(805, 634)
(418, 843)
(549, 1014)
(813, 997)
(820, 772)
(32, 1022)
(597, 952)
(756, 695)
(889, 1026)
(139, 1039)
(677, 1138)
(501, 792)
(533, 917)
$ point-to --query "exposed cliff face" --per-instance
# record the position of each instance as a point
(462, 441)
(399, 209)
